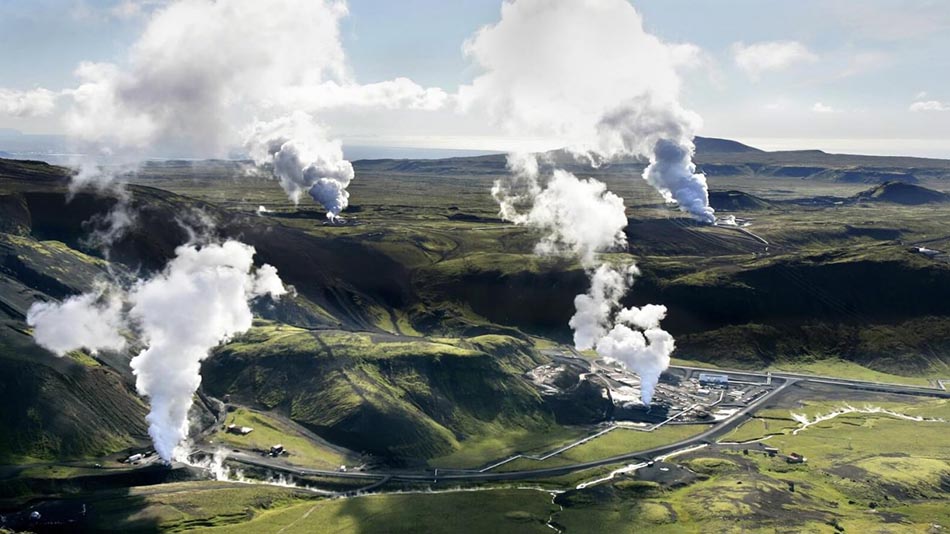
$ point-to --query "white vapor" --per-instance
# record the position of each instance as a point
(92, 321)
(576, 216)
(200, 68)
(645, 348)
(631, 336)
(203, 72)
(664, 132)
(594, 309)
(399, 93)
(33, 103)
(304, 160)
(586, 72)
(200, 300)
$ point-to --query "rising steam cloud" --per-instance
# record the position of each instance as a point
(596, 81)
(198, 301)
(91, 321)
(204, 72)
(303, 160)
(631, 336)
(575, 216)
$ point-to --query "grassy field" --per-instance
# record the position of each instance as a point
(415, 323)
(474, 512)
(269, 431)
(859, 477)
(184, 507)
(830, 366)
(506, 442)
(613, 443)
(845, 369)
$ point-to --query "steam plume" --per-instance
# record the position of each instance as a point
(663, 134)
(575, 216)
(594, 309)
(586, 73)
(203, 71)
(631, 336)
(91, 321)
(303, 160)
(198, 301)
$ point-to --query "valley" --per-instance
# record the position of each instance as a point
(402, 361)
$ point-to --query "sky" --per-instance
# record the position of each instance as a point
(854, 76)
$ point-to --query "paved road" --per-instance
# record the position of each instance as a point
(409, 476)
(720, 429)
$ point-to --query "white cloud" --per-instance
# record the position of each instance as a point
(688, 55)
(929, 105)
(198, 64)
(757, 58)
(864, 62)
(823, 108)
(128, 9)
(33, 103)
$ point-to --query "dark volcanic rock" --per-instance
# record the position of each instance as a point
(902, 193)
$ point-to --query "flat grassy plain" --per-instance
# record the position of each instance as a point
(829, 366)
(496, 446)
(865, 472)
(858, 477)
(508, 510)
(613, 443)
(186, 506)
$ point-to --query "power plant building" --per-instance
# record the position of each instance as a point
(710, 379)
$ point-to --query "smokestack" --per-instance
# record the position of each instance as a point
(199, 300)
